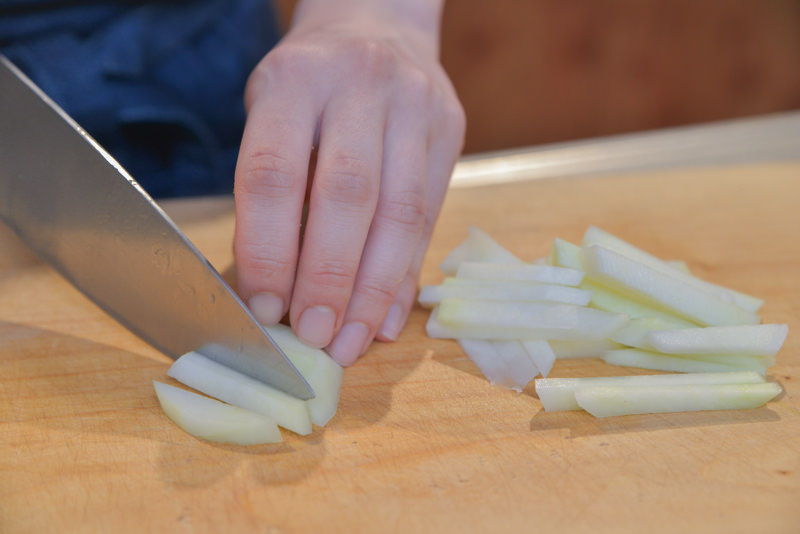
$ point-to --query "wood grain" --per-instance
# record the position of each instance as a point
(421, 442)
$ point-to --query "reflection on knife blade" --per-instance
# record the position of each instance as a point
(76, 207)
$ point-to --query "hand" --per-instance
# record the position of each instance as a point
(361, 80)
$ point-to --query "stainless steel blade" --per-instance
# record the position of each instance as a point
(74, 205)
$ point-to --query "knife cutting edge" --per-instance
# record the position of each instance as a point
(76, 207)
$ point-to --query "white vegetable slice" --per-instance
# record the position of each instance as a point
(483, 319)
(608, 401)
(643, 359)
(582, 348)
(541, 353)
(478, 246)
(654, 287)
(233, 387)
(558, 394)
(547, 274)
(605, 299)
(757, 340)
(680, 265)
(437, 330)
(212, 420)
(634, 334)
(321, 372)
(502, 363)
(740, 361)
(565, 254)
(429, 296)
(596, 236)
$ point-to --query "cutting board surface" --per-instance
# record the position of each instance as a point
(421, 442)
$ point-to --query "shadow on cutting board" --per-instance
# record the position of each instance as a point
(91, 409)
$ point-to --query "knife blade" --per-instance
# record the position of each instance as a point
(78, 209)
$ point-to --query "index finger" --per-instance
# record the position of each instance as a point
(270, 184)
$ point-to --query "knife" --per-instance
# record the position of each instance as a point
(78, 209)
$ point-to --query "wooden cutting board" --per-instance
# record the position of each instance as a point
(421, 442)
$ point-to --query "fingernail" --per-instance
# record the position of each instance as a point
(315, 326)
(393, 323)
(349, 343)
(267, 308)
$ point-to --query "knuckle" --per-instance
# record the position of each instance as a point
(281, 63)
(272, 266)
(334, 274)
(269, 270)
(348, 180)
(269, 174)
(451, 126)
(378, 292)
(261, 77)
(406, 210)
(456, 117)
(373, 57)
(418, 88)
(280, 60)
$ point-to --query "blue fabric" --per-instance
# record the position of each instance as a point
(158, 84)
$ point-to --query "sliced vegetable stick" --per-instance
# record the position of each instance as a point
(558, 394)
(223, 383)
(662, 290)
(321, 372)
(565, 254)
(429, 296)
(502, 363)
(582, 348)
(608, 300)
(437, 330)
(643, 359)
(752, 363)
(478, 246)
(757, 340)
(596, 236)
(526, 320)
(541, 353)
(634, 334)
(608, 401)
(547, 274)
(680, 265)
(514, 352)
(484, 355)
(213, 420)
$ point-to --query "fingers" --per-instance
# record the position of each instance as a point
(447, 140)
(270, 183)
(439, 171)
(419, 159)
(342, 203)
(393, 236)
(389, 134)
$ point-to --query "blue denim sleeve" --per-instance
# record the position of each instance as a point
(158, 84)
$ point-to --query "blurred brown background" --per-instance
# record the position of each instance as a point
(537, 71)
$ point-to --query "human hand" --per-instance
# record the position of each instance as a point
(361, 80)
